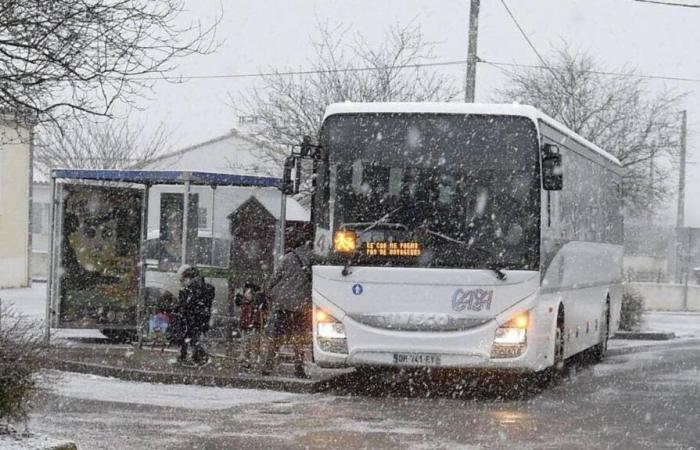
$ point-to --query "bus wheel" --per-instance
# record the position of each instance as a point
(559, 342)
(556, 370)
(601, 349)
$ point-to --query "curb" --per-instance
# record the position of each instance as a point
(645, 335)
(64, 446)
(641, 348)
(267, 383)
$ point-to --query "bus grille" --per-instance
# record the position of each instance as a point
(418, 321)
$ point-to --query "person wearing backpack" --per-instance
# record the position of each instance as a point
(192, 314)
(289, 289)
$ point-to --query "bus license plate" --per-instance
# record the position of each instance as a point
(417, 359)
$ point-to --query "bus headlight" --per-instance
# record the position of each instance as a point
(511, 337)
(330, 332)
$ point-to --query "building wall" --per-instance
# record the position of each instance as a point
(41, 215)
(15, 193)
(646, 268)
(668, 296)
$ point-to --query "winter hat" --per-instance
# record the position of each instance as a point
(187, 271)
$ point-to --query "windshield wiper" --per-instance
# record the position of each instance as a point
(386, 217)
(495, 267)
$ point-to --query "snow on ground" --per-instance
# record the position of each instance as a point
(683, 324)
(93, 387)
(13, 442)
(31, 303)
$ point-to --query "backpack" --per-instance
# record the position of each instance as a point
(208, 294)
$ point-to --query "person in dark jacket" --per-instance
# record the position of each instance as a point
(289, 290)
(192, 314)
(253, 304)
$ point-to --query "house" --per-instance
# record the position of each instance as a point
(15, 201)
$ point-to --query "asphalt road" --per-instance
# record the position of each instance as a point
(649, 399)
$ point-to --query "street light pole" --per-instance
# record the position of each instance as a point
(472, 59)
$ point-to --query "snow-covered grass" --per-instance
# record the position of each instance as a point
(93, 387)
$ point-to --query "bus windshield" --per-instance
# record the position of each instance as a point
(435, 190)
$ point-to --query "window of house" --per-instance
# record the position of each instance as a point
(37, 218)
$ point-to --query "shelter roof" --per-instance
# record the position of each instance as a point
(165, 177)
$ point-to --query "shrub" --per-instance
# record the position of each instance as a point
(21, 355)
(631, 313)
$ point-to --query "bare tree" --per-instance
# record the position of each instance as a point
(344, 68)
(615, 110)
(64, 56)
(98, 144)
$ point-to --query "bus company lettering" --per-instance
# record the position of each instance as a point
(472, 300)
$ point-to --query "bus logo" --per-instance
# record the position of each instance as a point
(357, 289)
(472, 300)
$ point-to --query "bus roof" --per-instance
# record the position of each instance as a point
(465, 108)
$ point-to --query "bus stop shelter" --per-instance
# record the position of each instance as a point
(107, 203)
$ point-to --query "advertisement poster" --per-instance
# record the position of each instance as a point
(99, 257)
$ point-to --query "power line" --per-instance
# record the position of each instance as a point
(498, 66)
(527, 39)
(457, 62)
(300, 72)
(597, 72)
(657, 2)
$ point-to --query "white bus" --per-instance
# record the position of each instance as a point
(462, 236)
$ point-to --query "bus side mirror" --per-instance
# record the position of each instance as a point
(291, 176)
(306, 149)
(552, 170)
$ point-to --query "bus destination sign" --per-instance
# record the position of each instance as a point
(392, 248)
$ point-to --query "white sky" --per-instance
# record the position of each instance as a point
(259, 34)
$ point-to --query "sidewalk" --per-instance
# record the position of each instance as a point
(157, 366)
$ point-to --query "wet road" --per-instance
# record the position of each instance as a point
(649, 399)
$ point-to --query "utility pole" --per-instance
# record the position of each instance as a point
(680, 218)
(470, 81)
(683, 254)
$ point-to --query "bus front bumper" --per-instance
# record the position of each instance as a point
(468, 349)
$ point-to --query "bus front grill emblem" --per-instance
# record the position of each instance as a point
(472, 300)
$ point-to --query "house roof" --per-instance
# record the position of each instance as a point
(233, 153)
